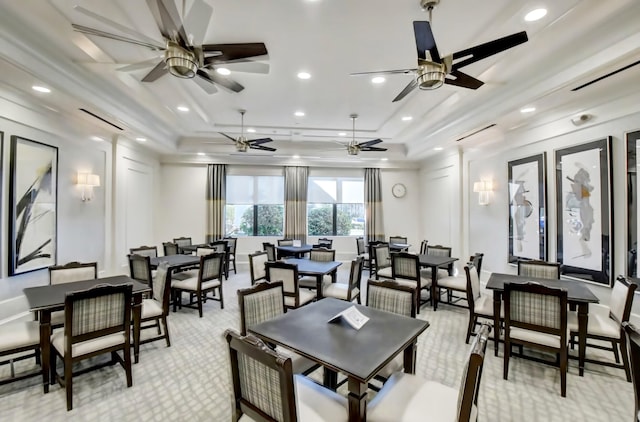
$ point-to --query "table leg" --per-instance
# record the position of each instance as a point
(45, 347)
(137, 312)
(319, 287)
(435, 292)
(583, 319)
(410, 358)
(330, 379)
(496, 320)
(357, 400)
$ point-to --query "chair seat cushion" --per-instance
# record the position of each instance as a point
(151, 308)
(537, 337)
(89, 346)
(598, 325)
(305, 296)
(409, 398)
(338, 290)
(191, 284)
(385, 272)
(183, 275)
(484, 306)
(18, 334)
(454, 283)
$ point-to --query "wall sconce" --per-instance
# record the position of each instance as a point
(483, 188)
(87, 181)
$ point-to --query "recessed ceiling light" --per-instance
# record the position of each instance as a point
(304, 75)
(251, 130)
(97, 139)
(41, 89)
(378, 79)
(201, 153)
(384, 159)
(184, 109)
(438, 149)
(295, 157)
(535, 15)
(141, 139)
(299, 113)
(527, 110)
(406, 118)
(342, 134)
(223, 71)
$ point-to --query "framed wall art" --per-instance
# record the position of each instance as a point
(33, 195)
(633, 143)
(527, 208)
(584, 215)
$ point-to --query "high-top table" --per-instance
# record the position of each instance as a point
(359, 354)
(317, 269)
(295, 251)
(434, 262)
(577, 293)
(46, 299)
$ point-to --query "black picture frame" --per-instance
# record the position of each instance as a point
(632, 143)
(584, 192)
(527, 190)
(33, 205)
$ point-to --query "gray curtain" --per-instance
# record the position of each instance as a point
(216, 195)
(374, 223)
(296, 182)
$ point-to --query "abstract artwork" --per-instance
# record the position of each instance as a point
(527, 208)
(33, 205)
(633, 143)
(583, 192)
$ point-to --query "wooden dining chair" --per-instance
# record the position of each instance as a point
(232, 242)
(439, 250)
(182, 241)
(480, 306)
(632, 337)
(423, 247)
(324, 242)
(398, 240)
(270, 249)
(156, 308)
(350, 290)
(257, 269)
(69, 273)
(294, 297)
(372, 256)
(285, 242)
(318, 255)
(458, 283)
(140, 269)
(209, 279)
(382, 255)
(17, 337)
(170, 248)
(539, 269)
(405, 269)
(361, 250)
(150, 251)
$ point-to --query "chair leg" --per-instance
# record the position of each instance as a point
(472, 323)
(127, 365)
(563, 355)
(158, 325)
(625, 357)
(507, 354)
(52, 366)
(614, 347)
(166, 330)
(199, 304)
(37, 351)
(221, 298)
(68, 382)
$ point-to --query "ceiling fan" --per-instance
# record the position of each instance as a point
(184, 54)
(242, 143)
(354, 148)
(433, 71)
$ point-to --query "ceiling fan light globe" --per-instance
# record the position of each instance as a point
(431, 76)
(180, 62)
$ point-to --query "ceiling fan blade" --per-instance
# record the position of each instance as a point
(490, 48)
(119, 27)
(385, 72)
(159, 70)
(262, 148)
(227, 136)
(458, 78)
(139, 65)
(372, 149)
(248, 67)
(407, 89)
(227, 83)
(205, 83)
(369, 143)
(197, 20)
(99, 33)
(235, 51)
(168, 20)
(425, 41)
(260, 141)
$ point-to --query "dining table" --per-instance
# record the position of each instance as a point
(175, 262)
(46, 299)
(294, 251)
(317, 269)
(434, 262)
(578, 294)
(340, 348)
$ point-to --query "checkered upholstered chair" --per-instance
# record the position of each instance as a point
(140, 269)
(423, 247)
(318, 255)
(405, 269)
(182, 241)
(257, 267)
(324, 242)
(361, 250)
(266, 390)
(97, 321)
(270, 249)
(458, 283)
(536, 316)
(263, 302)
(350, 290)
(479, 306)
(439, 250)
(69, 273)
(150, 251)
(605, 324)
(232, 242)
(539, 269)
(372, 256)
(17, 337)
(294, 297)
(382, 257)
(209, 279)
(285, 242)
(632, 339)
(407, 397)
(156, 308)
(398, 240)
(170, 248)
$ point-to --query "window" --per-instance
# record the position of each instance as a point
(335, 206)
(255, 206)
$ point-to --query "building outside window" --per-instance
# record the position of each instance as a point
(254, 206)
(335, 206)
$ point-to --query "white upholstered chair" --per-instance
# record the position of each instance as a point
(539, 269)
(156, 308)
(350, 290)
(479, 306)
(209, 279)
(69, 273)
(382, 257)
(294, 297)
(17, 337)
(257, 267)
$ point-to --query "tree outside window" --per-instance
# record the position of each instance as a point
(335, 206)
(255, 206)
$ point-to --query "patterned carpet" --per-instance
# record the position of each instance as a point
(190, 380)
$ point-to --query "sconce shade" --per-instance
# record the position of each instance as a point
(483, 188)
(93, 180)
(87, 181)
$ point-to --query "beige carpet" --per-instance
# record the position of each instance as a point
(190, 380)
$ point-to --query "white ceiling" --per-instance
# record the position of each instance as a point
(576, 42)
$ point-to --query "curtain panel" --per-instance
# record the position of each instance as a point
(374, 222)
(296, 182)
(216, 199)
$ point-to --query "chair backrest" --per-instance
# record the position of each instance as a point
(388, 295)
(231, 244)
(471, 376)
(539, 269)
(263, 386)
(324, 242)
(270, 249)
(204, 251)
(373, 244)
(97, 312)
(473, 285)
(476, 259)
(285, 242)
(260, 303)
(170, 248)
(398, 239)
(439, 250)
(405, 265)
(621, 299)
(288, 274)
(219, 246)
(73, 271)
(257, 268)
(161, 287)
(423, 247)
(140, 268)
(210, 268)
(633, 345)
(355, 276)
(360, 245)
(182, 241)
(322, 255)
(150, 251)
(382, 256)
(535, 307)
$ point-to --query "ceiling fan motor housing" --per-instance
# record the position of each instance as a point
(353, 149)
(431, 75)
(180, 62)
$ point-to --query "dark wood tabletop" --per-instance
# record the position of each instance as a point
(313, 268)
(175, 261)
(436, 260)
(577, 291)
(295, 249)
